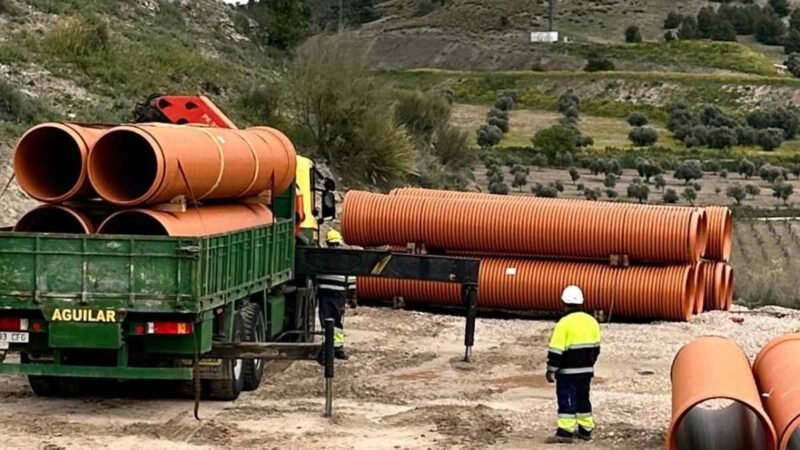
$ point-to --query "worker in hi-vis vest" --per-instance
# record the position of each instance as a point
(574, 348)
(332, 293)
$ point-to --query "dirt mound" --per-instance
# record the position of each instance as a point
(475, 425)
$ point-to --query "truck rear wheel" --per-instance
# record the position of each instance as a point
(253, 328)
(232, 382)
(44, 386)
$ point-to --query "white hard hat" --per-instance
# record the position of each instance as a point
(572, 295)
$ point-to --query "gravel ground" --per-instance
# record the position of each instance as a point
(405, 387)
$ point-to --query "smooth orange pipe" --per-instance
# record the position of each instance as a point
(50, 161)
(715, 401)
(153, 163)
(666, 292)
(532, 227)
(56, 219)
(202, 221)
(776, 369)
(720, 232)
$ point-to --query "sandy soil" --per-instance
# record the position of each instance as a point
(404, 388)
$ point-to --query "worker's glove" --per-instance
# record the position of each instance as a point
(551, 376)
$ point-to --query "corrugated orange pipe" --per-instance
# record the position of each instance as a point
(532, 227)
(776, 369)
(141, 164)
(666, 292)
(729, 294)
(715, 401)
(715, 285)
(700, 288)
(194, 222)
(50, 161)
(720, 231)
(57, 219)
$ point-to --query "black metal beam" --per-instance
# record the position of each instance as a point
(264, 350)
(385, 264)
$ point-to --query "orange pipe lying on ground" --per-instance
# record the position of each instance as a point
(700, 288)
(57, 219)
(776, 369)
(201, 221)
(154, 163)
(533, 227)
(666, 292)
(50, 161)
(715, 401)
(720, 231)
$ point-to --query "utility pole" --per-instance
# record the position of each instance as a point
(341, 17)
(552, 17)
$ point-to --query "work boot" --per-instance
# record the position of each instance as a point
(584, 434)
(558, 439)
(339, 353)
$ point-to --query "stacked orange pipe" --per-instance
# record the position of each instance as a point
(718, 286)
(776, 369)
(666, 292)
(57, 219)
(50, 161)
(534, 227)
(153, 163)
(715, 401)
(720, 231)
(194, 222)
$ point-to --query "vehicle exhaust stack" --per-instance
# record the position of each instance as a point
(50, 161)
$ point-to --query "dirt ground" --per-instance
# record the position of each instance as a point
(405, 387)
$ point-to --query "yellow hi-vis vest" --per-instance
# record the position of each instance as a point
(575, 345)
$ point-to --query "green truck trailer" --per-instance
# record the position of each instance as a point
(209, 308)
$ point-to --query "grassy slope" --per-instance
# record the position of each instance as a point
(52, 52)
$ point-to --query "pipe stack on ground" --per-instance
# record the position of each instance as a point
(100, 169)
(531, 248)
(776, 369)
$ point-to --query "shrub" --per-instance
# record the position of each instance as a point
(791, 45)
(547, 191)
(770, 173)
(79, 36)
(495, 112)
(660, 182)
(752, 190)
(723, 173)
(782, 190)
(680, 118)
(539, 160)
(496, 177)
(610, 181)
(784, 118)
(597, 63)
(421, 113)
(689, 194)
(633, 35)
(555, 139)
(261, 103)
(504, 103)
(520, 180)
(673, 20)
(643, 136)
(511, 93)
(769, 28)
(611, 193)
(611, 165)
(637, 119)
(519, 168)
(688, 171)
(499, 188)
(746, 135)
(706, 19)
(794, 169)
(558, 185)
(502, 124)
(721, 137)
(723, 31)
(737, 193)
(781, 7)
(18, 107)
(574, 175)
(746, 168)
(580, 187)
(712, 116)
(648, 169)
(639, 191)
(592, 194)
(711, 165)
(670, 196)
(770, 138)
(568, 100)
(596, 165)
(489, 136)
(688, 29)
(669, 36)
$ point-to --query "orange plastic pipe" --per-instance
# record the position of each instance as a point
(720, 231)
(700, 288)
(532, 227)
(50, 161)
(666, 292)
(154, 163)
(776, 368)
(56, 219)
(202, 221)
(715, 401)
(715, 285)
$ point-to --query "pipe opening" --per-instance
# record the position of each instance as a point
(727, 237)
(48, 163)
(133, 222)
(123, 166)
(794, 442)
(721, 423)
(52, 220)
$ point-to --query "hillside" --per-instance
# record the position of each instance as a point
(93, 60)
(494, 35)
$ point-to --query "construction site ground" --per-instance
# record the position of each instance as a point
(405, 387)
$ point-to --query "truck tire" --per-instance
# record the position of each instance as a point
(44, 386)
(253, 328)
(231, 384)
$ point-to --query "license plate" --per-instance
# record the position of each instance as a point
(7, 337)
